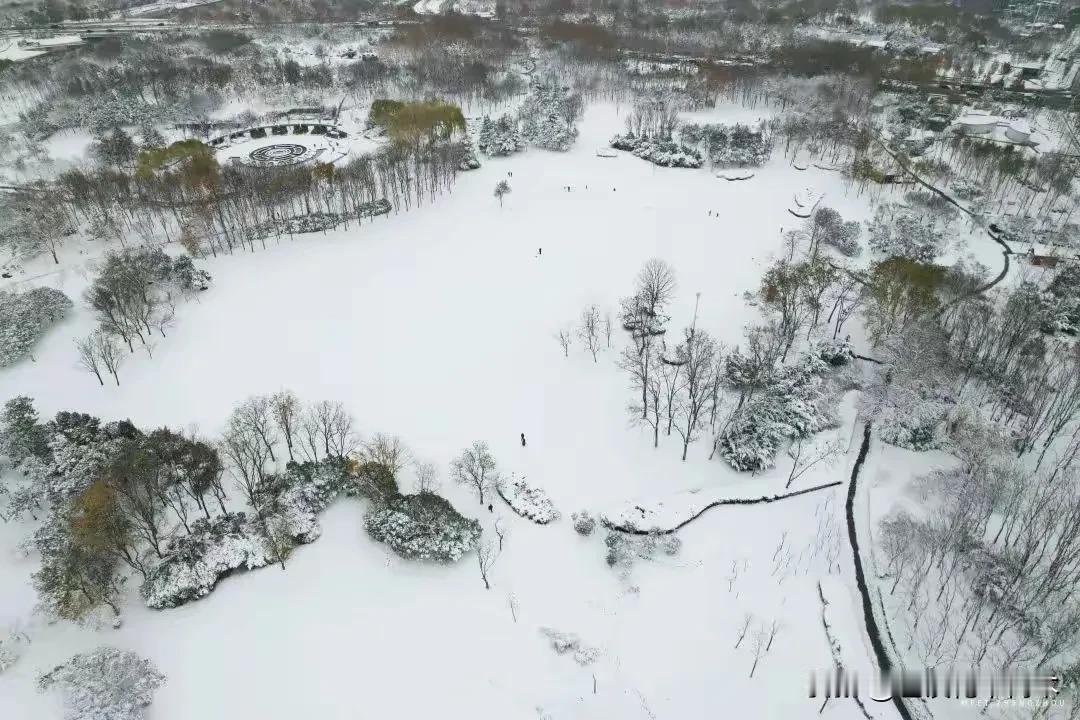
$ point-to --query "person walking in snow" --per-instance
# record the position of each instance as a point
(539, 251)
(522, 439)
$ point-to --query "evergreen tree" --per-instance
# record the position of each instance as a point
(21, 435)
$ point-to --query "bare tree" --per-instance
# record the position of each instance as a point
(648, 383)
(563, 337)
(502, 188)
(285, 409)
(500, 531)
(589, 332)
(257, 415)
(166, 314)
(475, 467)
(640, 363)
(655, 286)
(783, 288)
(427, 477)
(46, 223)
(88, 357)
(747, 618)
(700, 352)
(673, 379)
(607, 329)
(807, 458)
(248, 457)
(759, 641)
(386, 450)
(774, 628)
(486, 556)
(327, 426)
(109, 353)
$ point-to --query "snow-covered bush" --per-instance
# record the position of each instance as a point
(195, 563)
(794, 404)
(738, 145)
(624, 549)
(24, 318)
(104, 684)
(584, 523)
(317, 221)
(666, 153)
(905, 233)
(527, 500)
(916, 426)
(500, 137)
(548, 114)
(834, 351)
(423, 527)
(568, 643)
(12, 643)
(967, 189)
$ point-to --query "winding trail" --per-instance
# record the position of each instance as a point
(885, 663)
(1006, 251)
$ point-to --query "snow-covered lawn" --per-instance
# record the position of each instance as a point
(438, 325)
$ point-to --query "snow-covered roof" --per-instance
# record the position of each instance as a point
(977, 120)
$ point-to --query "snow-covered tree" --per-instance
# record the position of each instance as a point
(829, 228)
(663, 152)
(469, 161)
(738, 145)
(24, 318)
(905, 233)
(104, 684)
(548, 115)
(794, 403)
(21, 435)
(131, 294)
(499, 138)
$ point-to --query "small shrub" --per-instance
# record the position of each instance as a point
(584, 523)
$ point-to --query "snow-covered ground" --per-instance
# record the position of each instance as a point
(438, 325)
(17, 47)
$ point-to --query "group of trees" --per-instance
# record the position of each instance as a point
(738, 144)
(132, 298)
(988, 576)
(499, 138)
(112, 495)
(676, 388)
(751, 399)
(114, 499)
(549, 115)
(907, 233)
(414, 124)
(183, 195)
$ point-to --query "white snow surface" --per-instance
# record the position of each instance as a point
(437, 325)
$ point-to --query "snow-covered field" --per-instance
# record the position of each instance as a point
(438, 325)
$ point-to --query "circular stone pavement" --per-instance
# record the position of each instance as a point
(279, 153)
